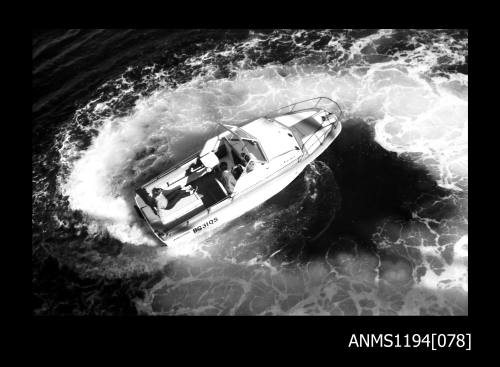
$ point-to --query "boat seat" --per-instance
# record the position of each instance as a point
(210, 160)
(181, 208)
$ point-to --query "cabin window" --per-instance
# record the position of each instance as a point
(254, 148)
(251, 146)
(239, 137)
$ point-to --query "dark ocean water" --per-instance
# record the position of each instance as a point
(113, 108)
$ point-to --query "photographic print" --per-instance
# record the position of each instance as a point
(248, 172)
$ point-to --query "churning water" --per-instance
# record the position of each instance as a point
(389, 197)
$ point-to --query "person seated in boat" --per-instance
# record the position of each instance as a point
(250, 161)
(226, 177)
(247, 165)
(166, 200)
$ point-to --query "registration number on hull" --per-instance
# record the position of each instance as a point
(205, 225)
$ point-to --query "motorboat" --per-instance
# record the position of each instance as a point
(263, 155)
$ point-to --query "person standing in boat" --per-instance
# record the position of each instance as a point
(227, 178)
(166, 200)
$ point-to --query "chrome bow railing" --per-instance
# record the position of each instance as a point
(323, 103)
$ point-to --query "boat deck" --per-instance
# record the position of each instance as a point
(208, 192)
(209, 189)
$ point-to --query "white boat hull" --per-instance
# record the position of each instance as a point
(207, 222)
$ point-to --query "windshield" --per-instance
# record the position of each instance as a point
(239, 132)
(249, 146)
(242, 141)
